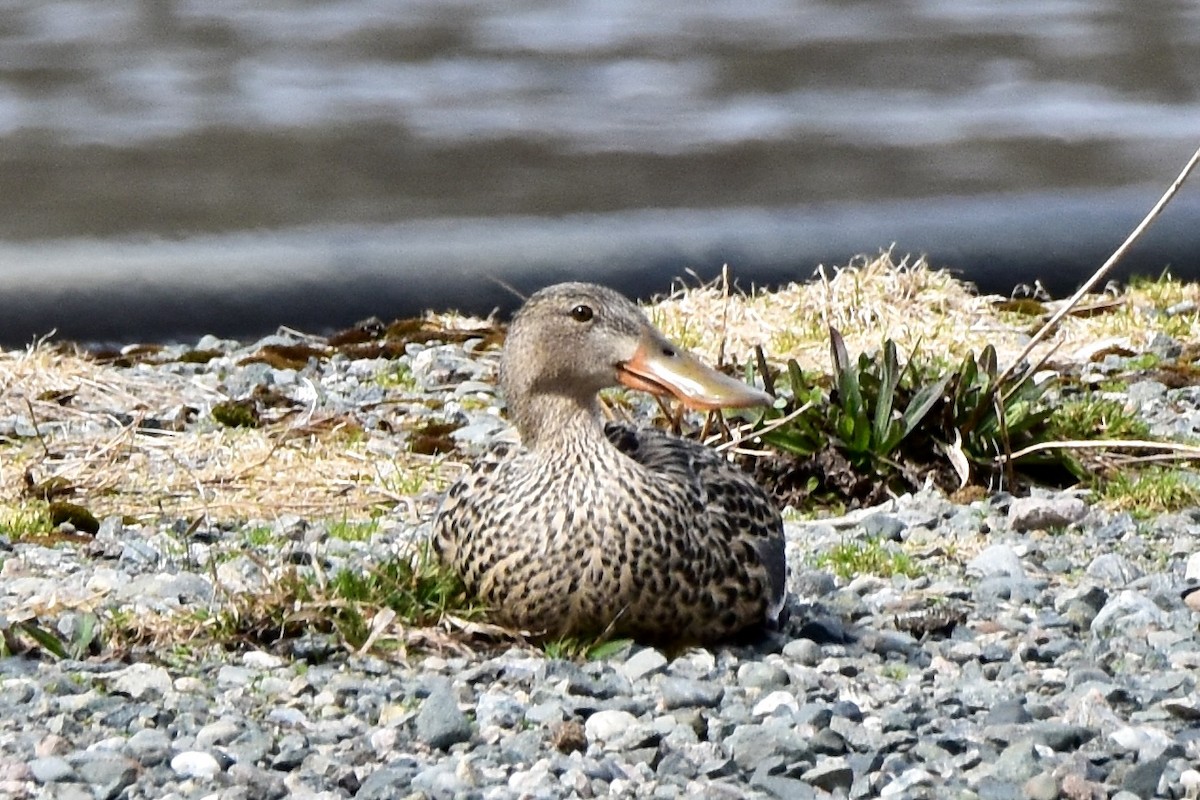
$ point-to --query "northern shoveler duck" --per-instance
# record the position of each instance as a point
(590, 528)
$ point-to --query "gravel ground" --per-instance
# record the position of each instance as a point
(1047, 649)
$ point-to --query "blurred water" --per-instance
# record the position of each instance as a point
(130, 119)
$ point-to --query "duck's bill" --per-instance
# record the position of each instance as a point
(659, 367)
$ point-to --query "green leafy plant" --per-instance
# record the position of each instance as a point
(983, 419)
(868, 424)
(884, 425)
(19, 635)
(795, 423)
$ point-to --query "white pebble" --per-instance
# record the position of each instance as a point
(195, 764)
(260, 660)
(604, 726)
(768, 705)
(1192, 571)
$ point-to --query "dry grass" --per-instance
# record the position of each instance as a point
(319, 467)
(327, 467)
(874, 299)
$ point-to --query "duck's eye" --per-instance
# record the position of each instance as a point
(581, 313)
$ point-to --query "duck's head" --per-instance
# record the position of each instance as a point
(571, 340)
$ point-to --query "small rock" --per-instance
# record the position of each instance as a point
(1113, 569)
(757, 675)
(901, 785)
(1128, 610)
(1018, 761)
(195, 764)
(223, 731)
(437, 781)
(1042, 786)
(500, 709)
(1142, 779)
(831, 774)
(1185, 708)
(643, 663)
(1164, 346)
(999, 560)
(1141, 393)
(772, 702)
(884, 527)
(1060, 736)
(108, 774)
(1191, 572)
(803, 651)
(1192, 600)
(257, 659)
(686, 693)
(749, 744)
(812, 583)
(440, 723)
(1008, 712)
(782, 787)
(1042, 513)
(608, 725)
(149, 747)
(1149, 743)
(142, 682)
(1189, 779)
(52, 769)
(828, 742)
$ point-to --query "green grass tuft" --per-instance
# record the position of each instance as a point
(349, 530)
(872, 557)
(398, 375)
(25, 519)
(1093, 417)
(1152, 491)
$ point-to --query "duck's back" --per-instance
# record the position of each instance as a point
(656, 537)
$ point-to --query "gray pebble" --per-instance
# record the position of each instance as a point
(884, 527)
(107, 773)
(998, 560)
(757, 675)
(1113, 569)
(1142, 779)
(802, 651)
(149, 747)
(684, 693)
(440, 723)
(142, 681)
(1043, 513)
(52, 769)
(643, 663)
(1042, 786)
(831, 774)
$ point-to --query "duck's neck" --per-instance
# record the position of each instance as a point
(549, 422)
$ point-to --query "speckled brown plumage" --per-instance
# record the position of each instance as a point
(587, 528)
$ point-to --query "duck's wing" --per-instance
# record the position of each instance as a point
(721, 489)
